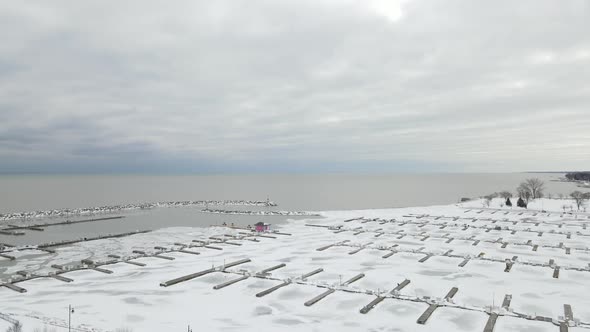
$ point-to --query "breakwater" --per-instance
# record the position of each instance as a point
(126, 207)
(263, 213)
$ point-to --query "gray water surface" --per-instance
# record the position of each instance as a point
(291, 192)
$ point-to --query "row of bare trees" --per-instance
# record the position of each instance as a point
(580, 198)
(534, 188)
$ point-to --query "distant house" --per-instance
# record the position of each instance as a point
(261, 227)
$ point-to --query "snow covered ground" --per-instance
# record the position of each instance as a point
(131, 297)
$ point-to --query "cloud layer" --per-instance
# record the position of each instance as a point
(322, 85)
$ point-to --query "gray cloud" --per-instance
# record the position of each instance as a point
(294, 85)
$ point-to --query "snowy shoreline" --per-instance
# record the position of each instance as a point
(538, 258)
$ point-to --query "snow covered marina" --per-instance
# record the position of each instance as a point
(440, 268)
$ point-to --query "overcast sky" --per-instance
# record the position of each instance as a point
(294, 86)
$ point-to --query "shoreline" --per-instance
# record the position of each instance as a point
(423, 241)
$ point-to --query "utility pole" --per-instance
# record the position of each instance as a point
(70, 312)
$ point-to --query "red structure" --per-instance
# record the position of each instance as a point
(262, 227)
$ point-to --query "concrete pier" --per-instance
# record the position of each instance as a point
(134, 263)
(568, 313)
(509, 265)
(507, 300)
(184, 251)
(266, 236)
(309, 274)
(424, 317)
(451, 293)
(464, 262)
(371, 305)
(230, 282)
(388, 254)
(353, 279)
(60, 278)
(14, 288)
(164, 257)
(563, 327)
(231, 243)
(400, 286)
(186, 278)
(109, 236)
(98, 269)
(356, 251)
(8, 257)
(87, 262)
(491, 323)
(201, 273)
(378, 299)
(325, 247)
(276, 267)
(272, 289)
(39, 227)
(15, 233)
(318, 298)
(424, 259)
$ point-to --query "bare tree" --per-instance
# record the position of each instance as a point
(579, 197)
(531, 188)
(505, 194)
(16, 327)
(523, 192)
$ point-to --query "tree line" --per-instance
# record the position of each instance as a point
(533, 188)
(578, 176)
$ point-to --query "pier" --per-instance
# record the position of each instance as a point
(202, 273)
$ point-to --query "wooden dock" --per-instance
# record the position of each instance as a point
(14, 287)
(309, 274)
(202, 273)
(424, 317)
(318, 298)
(272, 289)
(272, 268)
(230, 282)
(109, 236)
